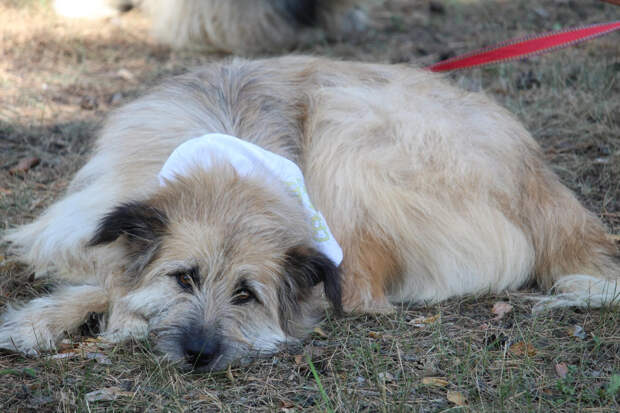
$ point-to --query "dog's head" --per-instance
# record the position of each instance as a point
(222, 267)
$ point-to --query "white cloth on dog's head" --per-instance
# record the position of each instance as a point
(245, 157)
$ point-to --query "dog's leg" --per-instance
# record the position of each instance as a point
(132, 314)
(369, 266)
(39, 324)
(123, 323)
(54, 243)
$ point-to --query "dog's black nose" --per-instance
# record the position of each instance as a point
(199, 349)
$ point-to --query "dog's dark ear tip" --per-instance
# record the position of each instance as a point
(136, 220)
(141, 225)
(101, 237)
(338, 311)
(98, 239)
(333, 291)
(310, 267)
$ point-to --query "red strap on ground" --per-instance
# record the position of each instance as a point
(528, 46)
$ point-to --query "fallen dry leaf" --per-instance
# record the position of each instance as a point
(435, 381)
(520, 349)
(423, 321)
(125, 74)
(385, 377)
(319, 331)
(68, 351)
(207, 396)
(379, 336)
(561, 369)
(500, 309)
(578, 332)
(229, 374)
(299, 358)
(24, 165)
(109, 393)
(285, 404)
(65, 346)
(93, 344)
(99, 358)
(456, 398)
(64, 355)
(313, 352)
(89, 103)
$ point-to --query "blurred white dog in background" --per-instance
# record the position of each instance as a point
(233, 26)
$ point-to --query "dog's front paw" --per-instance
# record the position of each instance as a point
(126, 328)
(26, 338)
(40, 323)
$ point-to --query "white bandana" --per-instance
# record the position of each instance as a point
(245, 157)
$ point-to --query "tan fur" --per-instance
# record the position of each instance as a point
(374, 265)
(432, 192)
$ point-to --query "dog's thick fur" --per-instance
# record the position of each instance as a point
(431, 191)
(233, 26)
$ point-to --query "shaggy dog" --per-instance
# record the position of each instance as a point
(233, 26)
(432, 192)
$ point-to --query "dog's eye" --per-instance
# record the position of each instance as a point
(186, 279)
(242, 296)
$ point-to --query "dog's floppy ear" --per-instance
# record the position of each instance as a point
(305, 268)
(141, 225)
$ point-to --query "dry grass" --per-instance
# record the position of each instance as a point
(58, 79)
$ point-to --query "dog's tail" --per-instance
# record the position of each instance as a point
(576, 258)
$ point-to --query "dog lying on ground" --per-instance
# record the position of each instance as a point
(233, 26)
(431, 192)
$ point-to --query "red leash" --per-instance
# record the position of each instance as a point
(527, 46)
